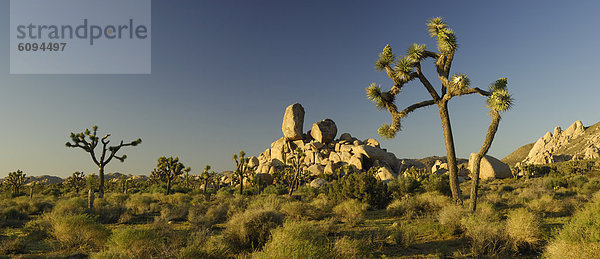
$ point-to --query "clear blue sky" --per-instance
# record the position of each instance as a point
(224, 71)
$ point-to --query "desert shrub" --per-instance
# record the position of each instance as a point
(363, 187)
(78, 231)
(486, 237)
(70, 206)
(108, 211)
(133, 242)
(267, 202)
(174, 212)
(206, 218)
(351, 211)
(405, 185)
(486, 211)
(524, 230)
(251, 229)
(296, 210)
(212, 247)
(12, 217)
(275, 189)
(580, 238)
(296, 239)
(554, 182)
(322, 204)
(450, 217)
(438, 183)
(417, 206)
(591, 186)
(402, 235)
(12, 245)
(346, 247)
(578, 181)
(39, 228)
(141, 203)
(547, 205)
(328, 226)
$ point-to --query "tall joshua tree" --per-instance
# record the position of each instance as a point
(207, 177)
(88, 141)
(498, 102)
(241, 168)
(404, 69)
(168, 169)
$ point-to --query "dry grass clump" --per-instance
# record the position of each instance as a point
(251, 229)
(142, 203)
(70, 206)
(351, 211)
(418, 206)
(402, 234)
(524, 230)
(487, 237)
(204, 217)
(297, 239)
(580, 238)
(450, 217)
(346, 247)
(78, 231)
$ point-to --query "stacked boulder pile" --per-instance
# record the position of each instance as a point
(324, 153)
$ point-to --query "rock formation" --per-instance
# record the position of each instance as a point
(324, 153)
(490, 168)
(576, 142)
(293, 122)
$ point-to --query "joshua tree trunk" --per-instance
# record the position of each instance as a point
(487, 143)
(241, 183)
(169, 186)
(206, 186)
(101, 186)
(450, 152)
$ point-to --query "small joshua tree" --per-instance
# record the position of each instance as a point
(168, 169)
(405, 69)
(241, 168)
(88, 141)
(297, 169)
(15, 181)
(499, 101)
(76, 181)
(207, 177)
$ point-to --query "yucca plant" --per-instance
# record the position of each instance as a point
(404, 69)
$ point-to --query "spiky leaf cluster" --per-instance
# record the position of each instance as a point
(416, 52)
(446, 39)
(403, 68)
(382, 100)
(500, 100)
(499, 84)
(386, 58)
(460, 81)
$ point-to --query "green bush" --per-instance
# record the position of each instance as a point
(70, 206)
(524, 230)
(297, 210)
(206, 218)
(78, 231)
(363, 187)
(580, 238)
(296, 239)
(578, 181)
(141, 203)
(591, 186)
(12, 245)
(351, 211)
(438, 183)
(554, 182)
(402, 235)
(251, 229)
(405, 185)
(418, 206)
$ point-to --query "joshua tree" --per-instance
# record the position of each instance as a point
(297, 166)
(499, 101)
(401, 70)
(207, 177)
(16, 180)
(76, 181)
(168, 169)
(241, 168)
(88, 141)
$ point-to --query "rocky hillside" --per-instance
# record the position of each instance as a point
(518, 155)
(576, 142)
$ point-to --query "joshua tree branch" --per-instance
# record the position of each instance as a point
(415, 106)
